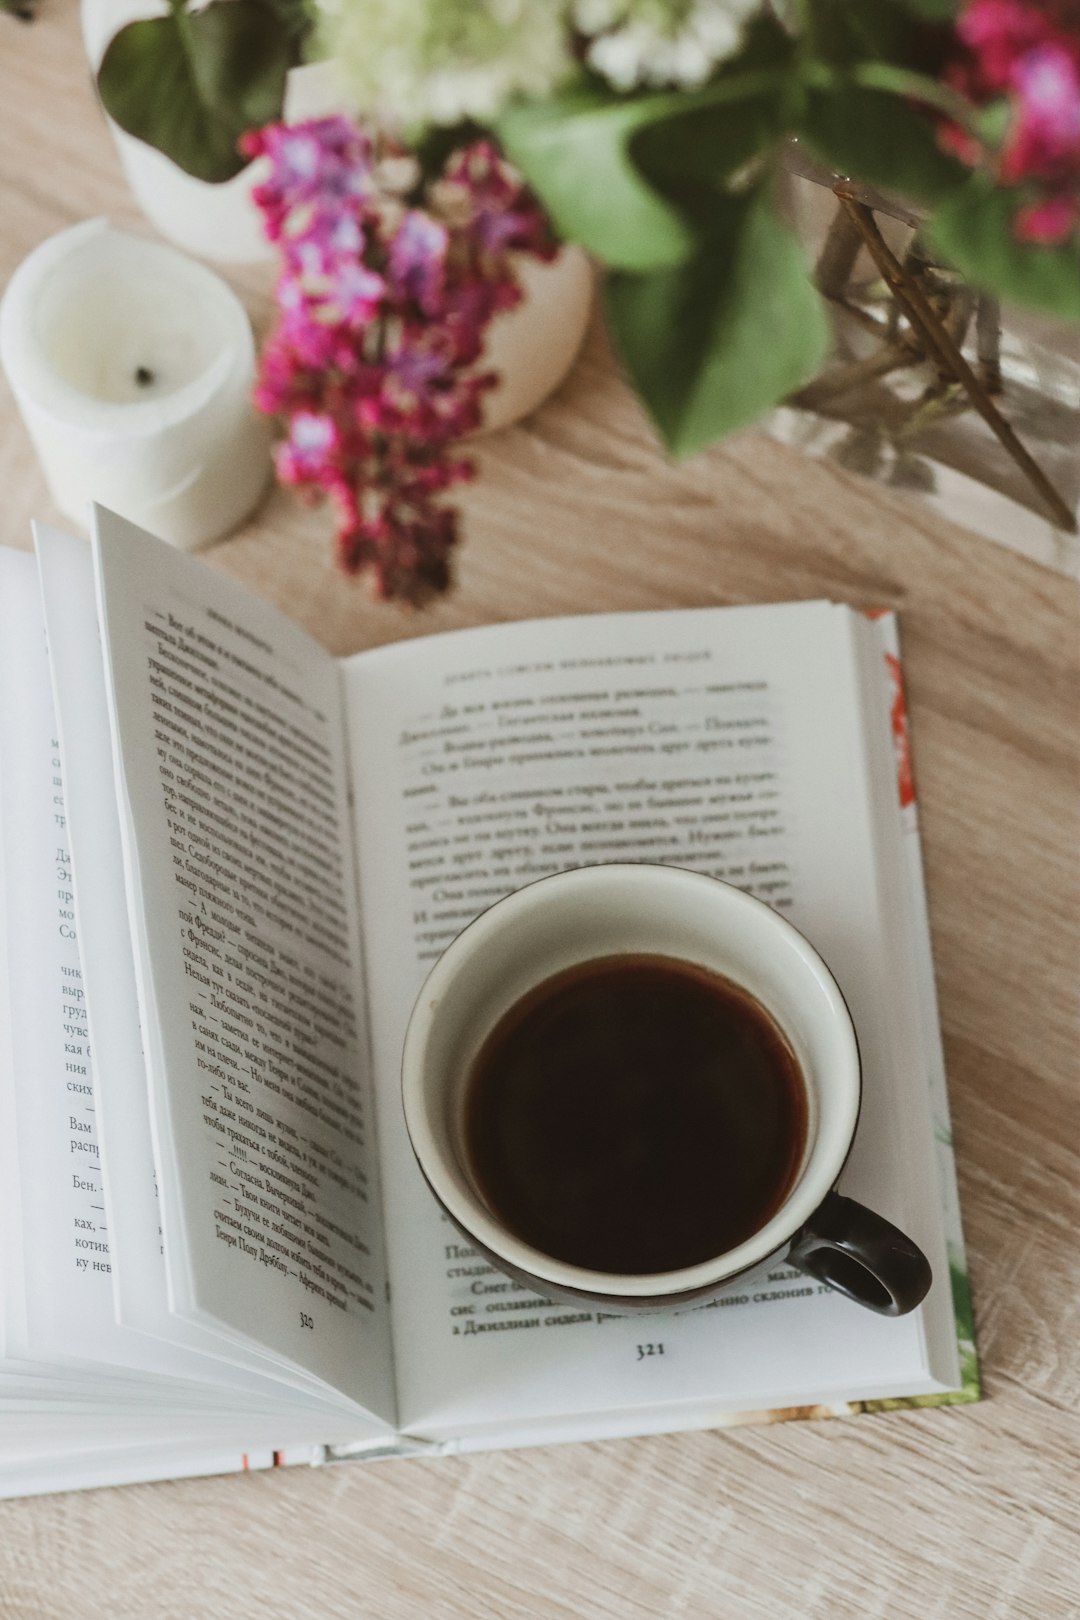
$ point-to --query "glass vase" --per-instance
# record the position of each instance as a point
(932, 387)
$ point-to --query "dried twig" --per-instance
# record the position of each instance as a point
(943, 350)
(837, 258)
(832, 384)
(988, 342)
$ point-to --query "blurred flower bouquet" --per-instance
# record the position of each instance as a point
(387, 286)
(652, 132)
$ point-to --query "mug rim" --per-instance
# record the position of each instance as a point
(491, 1237)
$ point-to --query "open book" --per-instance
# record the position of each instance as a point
(228, 862)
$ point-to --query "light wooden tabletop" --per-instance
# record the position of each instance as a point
(948, 1513)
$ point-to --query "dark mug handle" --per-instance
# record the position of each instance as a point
(862, 1255)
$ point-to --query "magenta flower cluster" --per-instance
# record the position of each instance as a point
(387, 287)
(1027, 54)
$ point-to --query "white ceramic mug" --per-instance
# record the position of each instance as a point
(611, 910)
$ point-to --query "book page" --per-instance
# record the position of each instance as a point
(725, 740)
(57, 1254)
(228, 747)
(67, 1355)
(12, 1305)
(118, 1072)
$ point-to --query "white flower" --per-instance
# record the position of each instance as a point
(679, 43)
(414, 62)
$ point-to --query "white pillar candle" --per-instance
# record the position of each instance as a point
(132, 367)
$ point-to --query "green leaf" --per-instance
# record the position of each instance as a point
(574, 152)
(296, 18)
(602, 166)
(975, 232)
(846, 31)
(712, 344)
(192, 83)
(876, 137)
(693, 155)
(701, 143)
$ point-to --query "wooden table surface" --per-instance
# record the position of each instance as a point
(932, 1514)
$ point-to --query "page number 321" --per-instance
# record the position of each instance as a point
(644, 1350)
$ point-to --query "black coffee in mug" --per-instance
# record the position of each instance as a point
(635, 1114)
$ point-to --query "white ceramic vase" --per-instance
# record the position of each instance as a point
(533, 346)
(212, 221)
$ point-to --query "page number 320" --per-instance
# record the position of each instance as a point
(644, 1350)
(306, 1321)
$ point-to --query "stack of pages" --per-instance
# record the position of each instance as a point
(228, 861)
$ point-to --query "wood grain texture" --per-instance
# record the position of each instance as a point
(934, 1514)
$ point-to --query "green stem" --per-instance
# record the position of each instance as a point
(179, 12)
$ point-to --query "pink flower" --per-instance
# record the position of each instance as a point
(381, 319)
(1027, 56)
(345, 235)
(312, 440)
(502, 213)
(418, 259)
(1048, 223)
(997, 32)
(1045, 136)
(355, 293)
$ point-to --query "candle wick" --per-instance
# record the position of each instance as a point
(144, 376)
